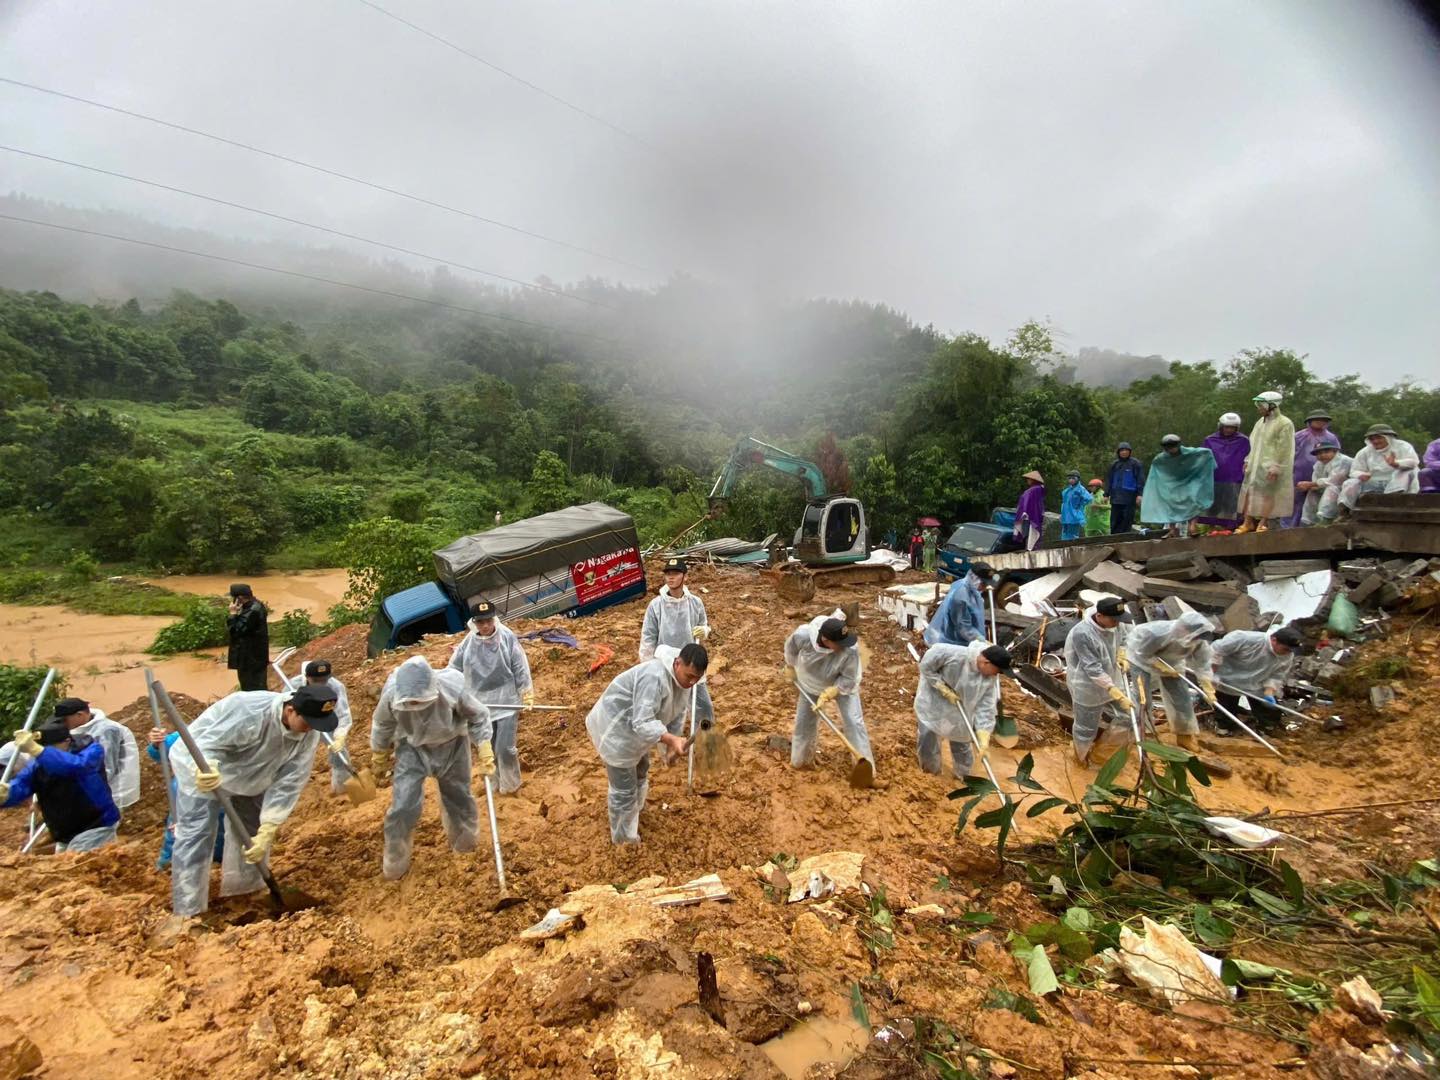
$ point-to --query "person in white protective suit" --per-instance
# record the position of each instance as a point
(1167, 650)
(822, 661)
(122, 754)
(1387, 464)
(424, 725)
(955, 677)
(639, 709)
(497, 672)
(1092, 654)
(676, 618)
(1326, 483)
(318, 673)
(259, 747)
(1256, 664)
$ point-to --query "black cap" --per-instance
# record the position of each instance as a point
(53, 732)
(982, 569)
(836, 631)
(240, 589)
(317, 669)
(998, 656)
(676, 565)
(317, 705)
(483, 609)
(70, 706)
(1114, 608)
(1288, 635)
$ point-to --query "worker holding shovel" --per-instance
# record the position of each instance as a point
(67, 774)
(318, 673)
(823, 663)
(1256, 664)
(641, 707)
(955, 678)
(1091, 655)
(1167, 649)
(425, 722)
(259, 747)
(676, 617)
(497, 672)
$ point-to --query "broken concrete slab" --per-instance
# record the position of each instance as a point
(1073, 577)
(1228, 570)
(1187, 566)
(1271, 569)
(1115, 580)
(1381, 696)
(1367, 588)
(1215, 596)
(1242, 614)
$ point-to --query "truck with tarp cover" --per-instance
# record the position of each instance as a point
(566, 563)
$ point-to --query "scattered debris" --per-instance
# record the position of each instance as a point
(1165, 963)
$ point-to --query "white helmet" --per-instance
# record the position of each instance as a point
(1269, 397)
(1230, 419)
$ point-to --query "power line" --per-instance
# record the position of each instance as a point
(304, 224)
(513, 77)
(421, 199)
(310, 277)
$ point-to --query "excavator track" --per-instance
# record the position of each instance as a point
(797, 583)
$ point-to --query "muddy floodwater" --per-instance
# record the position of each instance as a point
(103, 656)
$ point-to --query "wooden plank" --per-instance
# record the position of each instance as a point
(1074, 576)
(1047, 688)
(1202, 594)
(1111, 577)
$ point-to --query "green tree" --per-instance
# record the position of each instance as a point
(549, 487)
(383, 556)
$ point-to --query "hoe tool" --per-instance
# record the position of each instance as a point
(862, 770)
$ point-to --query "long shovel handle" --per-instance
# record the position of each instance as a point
(1283, 708)
(831, 724)
(34, 839)
(237, 825)
(527, 708)
(690, 746)
(1236, 720)
(162, 749)
(495, 835)
(984, 756)
(29, 723)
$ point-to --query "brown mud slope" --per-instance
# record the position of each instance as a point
(421, 979)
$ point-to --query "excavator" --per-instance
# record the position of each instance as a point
(833, 539)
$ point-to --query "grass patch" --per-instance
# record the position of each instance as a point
(98, 596)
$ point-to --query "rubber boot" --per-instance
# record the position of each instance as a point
(395, 859)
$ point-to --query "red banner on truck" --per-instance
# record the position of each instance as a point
(598, 577)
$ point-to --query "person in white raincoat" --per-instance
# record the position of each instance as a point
(1268, 493)
(1387, 464)
(1091, 655)
(122, 754)
(318, 673)
(425, 723)
(497, 672)
(1255, 664)
(259, 747)
(822, 661)
(676, 618)
(1168, 649)
(953, 677)
(638, 709)
(1326, 483)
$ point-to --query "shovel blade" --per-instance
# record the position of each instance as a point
(360, 788)
(713, 757)
(862, 773)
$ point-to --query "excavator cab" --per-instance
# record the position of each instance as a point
(833, 532)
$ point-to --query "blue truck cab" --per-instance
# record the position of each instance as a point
(971, 541)
(407, 616)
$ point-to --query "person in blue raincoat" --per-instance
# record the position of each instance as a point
(1181, 485)
(960, 618)
(1073, 501)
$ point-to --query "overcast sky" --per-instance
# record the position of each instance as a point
(1155, 177)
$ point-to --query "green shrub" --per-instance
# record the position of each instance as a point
(203, 627)
(18, 686)
(294, 628)
(82, 567)
(22, 586)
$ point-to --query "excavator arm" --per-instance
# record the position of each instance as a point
(750, 452)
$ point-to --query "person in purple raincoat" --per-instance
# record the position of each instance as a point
(1030, 511)
(1430, 468)
(1315, 431)
(1231, 447)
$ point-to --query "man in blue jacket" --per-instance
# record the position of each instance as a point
(69, 780)
(1126, 484)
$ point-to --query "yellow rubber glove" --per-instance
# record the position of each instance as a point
(1122, 659)
(260, 846)
(829, 694)
(948, 694)
(1164, 669)
(485, 760)
(700, 633)
(207, 781)
(1118, 696)
(982, 740)
(4, 793)
(527, 698)
(1208, 689)
(380, 762)
(789, 674)
(27, 742)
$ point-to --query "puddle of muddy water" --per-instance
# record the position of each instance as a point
(316, 591)
(817, 1040)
